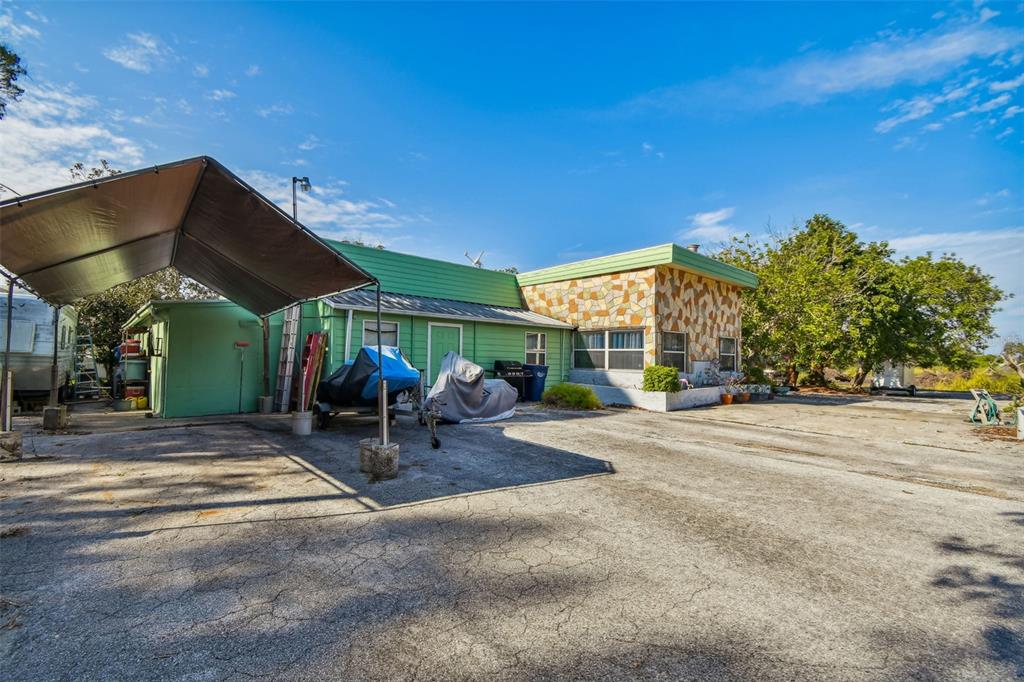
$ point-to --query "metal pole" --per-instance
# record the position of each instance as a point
(381, 384)
(53, 367)
(241, 379)
(5, 404)
(295, 203)
(266, 356)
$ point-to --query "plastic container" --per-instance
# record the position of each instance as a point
(134, 391)
(141, 403)
(535, 382)
(302, 423)
(131, 347)
(135, 370)
(122, 405)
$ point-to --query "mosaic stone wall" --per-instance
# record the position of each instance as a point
(704, 308)
(654, 299)
(619, 300)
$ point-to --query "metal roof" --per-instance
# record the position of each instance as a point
(194, 214)
(652, 256)
(406, 304)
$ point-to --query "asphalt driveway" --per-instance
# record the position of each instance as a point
(797, 539)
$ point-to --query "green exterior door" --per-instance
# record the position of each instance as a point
(442, 339)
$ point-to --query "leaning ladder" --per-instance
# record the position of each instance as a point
(87, 383)
(286, 365)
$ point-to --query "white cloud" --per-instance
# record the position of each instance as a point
(991, 104)
(1006, 133)
(200, 71)
(278, 109)
(874, 65)
(932, 127)
(219, 95)
(184, 107)
(985, 14)
(1012, 111)
(327, 209)
(52, 128)
(141, 52)
(253, 70)
(1003, 86)
(911, 110)
(989, 197)
(310, 143)
(712, 225)
(15, 30)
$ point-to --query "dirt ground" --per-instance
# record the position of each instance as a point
(803, 538)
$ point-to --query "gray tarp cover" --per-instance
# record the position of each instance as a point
(194, 214)
(462, 394)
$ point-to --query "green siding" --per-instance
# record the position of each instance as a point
(665, 254)
(404, 273)
(482, 343)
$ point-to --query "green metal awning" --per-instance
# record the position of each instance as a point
(194, 214)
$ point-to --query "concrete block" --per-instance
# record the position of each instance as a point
(10, 445)
(379, 461)
(55, 417)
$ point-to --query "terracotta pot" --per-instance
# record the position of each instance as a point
(745, 396)
(727, 398)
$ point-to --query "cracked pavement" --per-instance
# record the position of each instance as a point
(797, 539)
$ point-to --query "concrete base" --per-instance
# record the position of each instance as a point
(657, 401)
(379, 461)
(302, 423)
(265, 404)
(10, 445)
(55, 417)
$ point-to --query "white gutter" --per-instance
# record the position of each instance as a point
(550, 323)
(348, 334)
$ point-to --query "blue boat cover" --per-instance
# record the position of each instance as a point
(398, 371)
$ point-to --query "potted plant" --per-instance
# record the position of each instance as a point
(745, 393)
(726, 397)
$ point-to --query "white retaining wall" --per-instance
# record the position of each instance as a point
(657, 401)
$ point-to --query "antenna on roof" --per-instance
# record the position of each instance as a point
(477, 262)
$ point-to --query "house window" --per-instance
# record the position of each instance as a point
(388, 333)
(727, 361)
(536, 348)
(610, 349)
(63, 337)
(673, 350)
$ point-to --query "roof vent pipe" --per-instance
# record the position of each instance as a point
(694, 247)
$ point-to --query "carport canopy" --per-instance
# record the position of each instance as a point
(194, 214)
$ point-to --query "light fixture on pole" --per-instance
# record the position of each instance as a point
(304, 184)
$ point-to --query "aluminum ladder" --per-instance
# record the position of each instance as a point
(286, 364)
(87, 383)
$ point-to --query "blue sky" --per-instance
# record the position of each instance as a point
(541, 133)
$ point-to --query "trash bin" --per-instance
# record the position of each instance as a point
(535, 382)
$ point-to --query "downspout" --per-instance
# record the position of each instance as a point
(348, 335)
(266, 355)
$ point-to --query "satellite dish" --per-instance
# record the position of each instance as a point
(477, 262)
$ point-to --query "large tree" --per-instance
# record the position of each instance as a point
(106, 313)
(826, 299)
(10, 70)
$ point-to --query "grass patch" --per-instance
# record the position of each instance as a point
(571, 397)
(998, 381)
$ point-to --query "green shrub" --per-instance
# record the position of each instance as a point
(571, 397)
(661, 378)
(993, 382)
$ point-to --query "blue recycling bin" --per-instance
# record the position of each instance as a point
(535, 382)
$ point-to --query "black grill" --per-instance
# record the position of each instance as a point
(514, 373)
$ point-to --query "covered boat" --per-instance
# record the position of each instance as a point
(461, 393)
(354, 384)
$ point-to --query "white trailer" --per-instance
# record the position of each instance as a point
(894, 377)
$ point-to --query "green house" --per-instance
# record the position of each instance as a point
(599, 322)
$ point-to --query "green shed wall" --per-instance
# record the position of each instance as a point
(201, 366)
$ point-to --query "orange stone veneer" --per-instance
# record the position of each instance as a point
(652, 299)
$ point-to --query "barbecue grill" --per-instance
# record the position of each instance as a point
(514, 373)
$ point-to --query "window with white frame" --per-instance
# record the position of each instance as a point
(536, 348)
(673, 350)
(388, 333)
(727, 355)
(609, 349)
